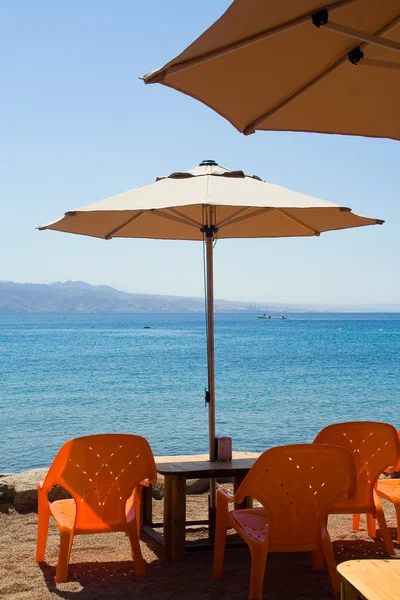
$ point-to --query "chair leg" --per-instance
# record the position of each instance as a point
(330, 562)
(219, 546)
(136, 551)
(383, 528)
(258, 562)
(397, 507)
(43, 526)
(371, 525)
(66, 538)
(356, 522)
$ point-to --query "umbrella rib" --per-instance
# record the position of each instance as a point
(120, 227)
(362, 35)
(228, 219)
(255, 213)
(386, 64)
(159, 75)
(184, 221)
(185, 217)
(298, 221)
(250, 128)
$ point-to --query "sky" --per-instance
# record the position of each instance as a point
(77, 125)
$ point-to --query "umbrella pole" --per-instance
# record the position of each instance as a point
(210, 345)
(209, 233)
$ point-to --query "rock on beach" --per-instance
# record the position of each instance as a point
(19, 490)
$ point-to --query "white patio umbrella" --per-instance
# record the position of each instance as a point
(206, 203)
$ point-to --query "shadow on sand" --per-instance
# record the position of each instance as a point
(287, 576)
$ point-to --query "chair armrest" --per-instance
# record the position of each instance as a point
(387, 483)
(44, 488)
(148, 481)
(225, 496)
(42, 498)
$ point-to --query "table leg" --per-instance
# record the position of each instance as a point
(147, 505)
(167, 529)
(247, 502)
(348, 592)
(178, 517)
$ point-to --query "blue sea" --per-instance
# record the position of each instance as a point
(277, 382)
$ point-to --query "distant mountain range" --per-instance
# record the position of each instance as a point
(81, 297)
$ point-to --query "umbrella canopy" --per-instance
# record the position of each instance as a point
(180, 206)
(297, 66)
(206, 203)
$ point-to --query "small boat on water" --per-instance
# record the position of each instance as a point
(264, 316)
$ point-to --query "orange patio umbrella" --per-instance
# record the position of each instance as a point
(330, 67)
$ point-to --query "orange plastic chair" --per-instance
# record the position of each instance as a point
(104, 475)
(375, 447)
(296, 486)
(389, 489)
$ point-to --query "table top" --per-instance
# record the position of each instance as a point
(373, 579)
(197, 466)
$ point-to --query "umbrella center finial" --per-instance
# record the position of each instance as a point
(205, 163)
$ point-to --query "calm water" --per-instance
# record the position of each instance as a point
(277, 382)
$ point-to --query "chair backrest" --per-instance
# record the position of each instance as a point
(396, 467)
(297, 485)
(375, 446)
(101, 472)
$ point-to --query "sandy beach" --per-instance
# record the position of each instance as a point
(101, 566)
